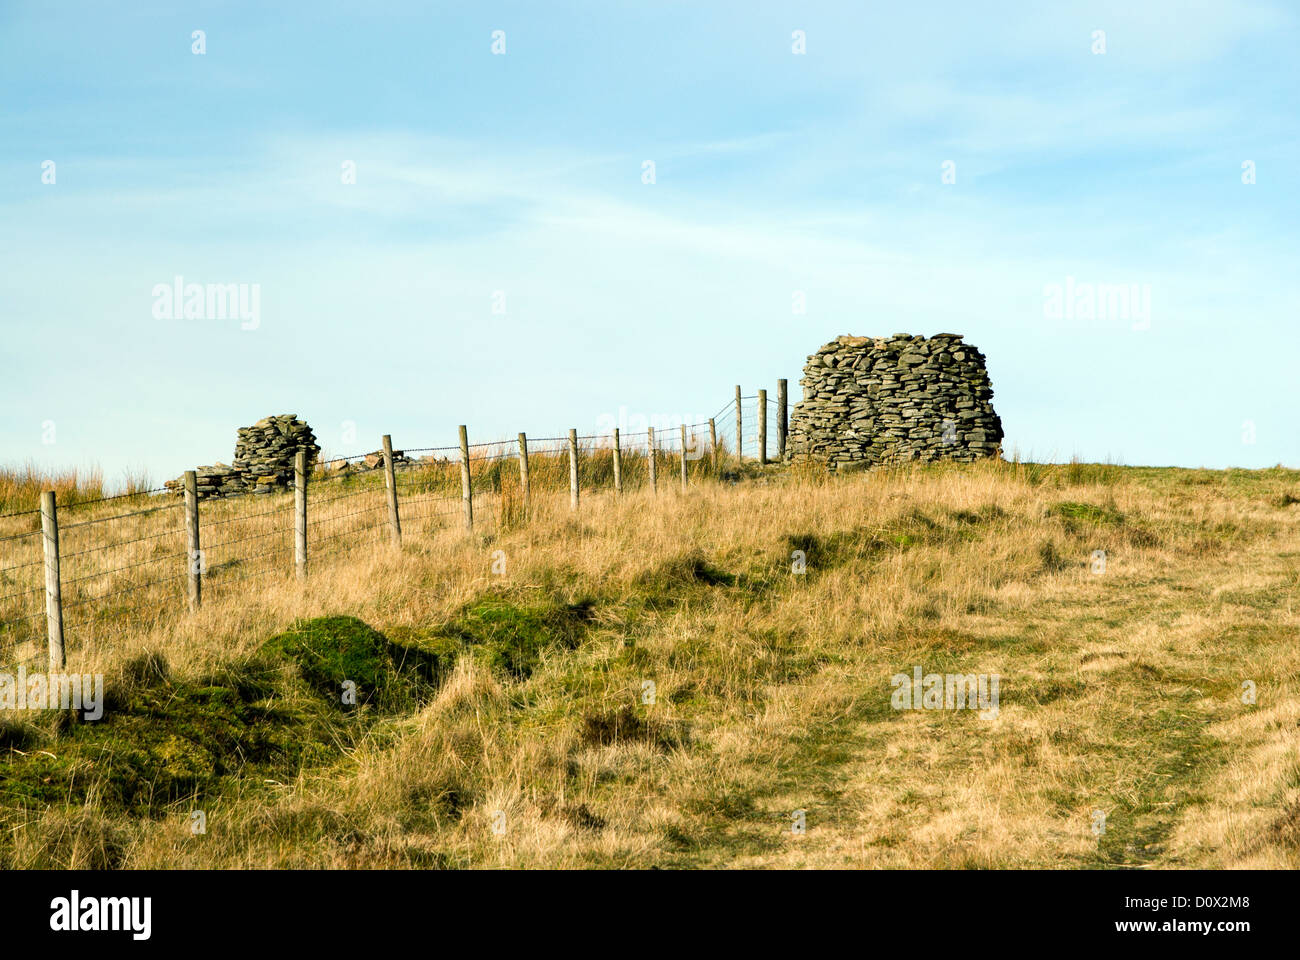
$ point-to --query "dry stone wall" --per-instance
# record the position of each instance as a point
(869, 400)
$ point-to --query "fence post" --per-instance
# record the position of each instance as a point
(573, 469)
(683, 458)
(713, 443)
(740, 437)
(618, 464)
(762, 427)
(53, 590)
(300, 514)
(466, 490)
(523, 470)
(782, 426)
(650, 455)
(192, 549)
(394, 521)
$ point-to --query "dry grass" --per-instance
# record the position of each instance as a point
(124, 557)
(1120, 692)
(21, 487)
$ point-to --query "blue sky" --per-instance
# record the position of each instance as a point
(522, 173)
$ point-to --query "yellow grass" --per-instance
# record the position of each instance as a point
(21, 487)
(1121, 692)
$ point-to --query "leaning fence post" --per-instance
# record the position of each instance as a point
(683, 458)
(466, 489)
(618, 464)
(650, 454)
(740, 437)
(523, 470)
(713, 443)
(300, 514)
(762, 427)
(573, 469)
(782, 426)
(394, 521)
(53, 590)
(192, 548)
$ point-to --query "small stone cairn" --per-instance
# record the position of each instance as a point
(869, 400)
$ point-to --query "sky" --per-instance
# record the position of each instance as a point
(448, 215)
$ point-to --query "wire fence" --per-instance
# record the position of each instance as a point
(124, 562)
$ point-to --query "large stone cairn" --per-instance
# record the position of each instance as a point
(264, 459)
(870, 400)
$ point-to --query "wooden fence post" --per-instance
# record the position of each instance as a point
(573, 469)
(762, 427)
(782, 425)
(618, 464)
(300, 514)
(192, 549)
(53, 589)
(650, 454)
(740, 437)
(683, 458)
(466, 490)
(523, 470)
(713, 443)
(394, 521)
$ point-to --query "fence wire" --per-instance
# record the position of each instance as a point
(120, 568)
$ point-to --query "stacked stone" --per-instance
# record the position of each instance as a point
(265, 452)
(375, 461)
(873, 400)
(264, 460)
(217, 480)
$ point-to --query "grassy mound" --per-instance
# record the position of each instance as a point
(338, 655)
(163, 739)
(513, 637)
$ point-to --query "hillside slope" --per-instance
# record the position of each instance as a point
(503, 685)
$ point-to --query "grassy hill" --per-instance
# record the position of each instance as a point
(501, 681)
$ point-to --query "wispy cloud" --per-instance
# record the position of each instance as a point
(522, 175)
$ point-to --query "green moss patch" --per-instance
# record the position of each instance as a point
(330, 652)
(163, 740)
(1072, 510)
(512, 636)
